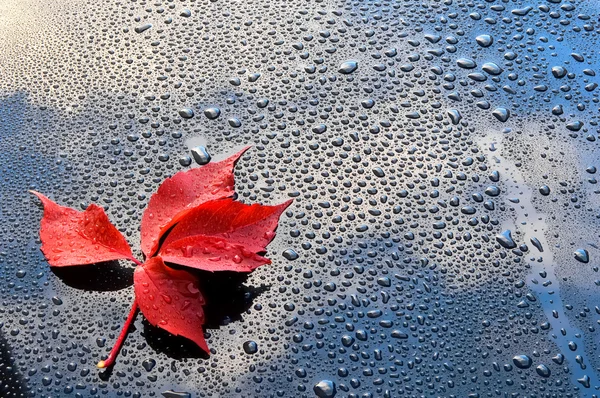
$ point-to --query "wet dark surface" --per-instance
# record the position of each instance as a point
(442, 157)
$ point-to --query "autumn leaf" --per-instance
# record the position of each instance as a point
(170, 299)
(202, 227)
(70, 237)
(181, 193)
(223, 235)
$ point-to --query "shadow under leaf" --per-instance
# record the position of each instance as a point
(226, 300)
(101, 277)
(175, 347)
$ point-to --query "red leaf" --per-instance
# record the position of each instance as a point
(182, 192)
(170, 299)
(223, 235)
(70, 237)
(207, 230)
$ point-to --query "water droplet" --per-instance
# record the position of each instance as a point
(454, 115)
(234, 122)
(185, 161)
(466, 63)
(484, 40)
(545, 190)
(505, 239)
(201, 155)
(142, 28)
(582, 255)
(535, 241)
(149, 364)
(250, 347)
(325, 389)
(543, 370)
(522, 361)
(176, 394)
(502, 114)
(212, 113)
(491, 68)
(186, 113)
(559, 72)
(290, 254)
(348, 67)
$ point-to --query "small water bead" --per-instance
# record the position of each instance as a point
(348, 67)
(455, 115)
(492, 190)
(522, 361)
(391, 53)
(325, 389)
(577, 57)
(319, 129)
(574, 126)
(505, 239)
(142, 28)
(585, 381)
(290, 254)
(186, 113)
(522, 11)
(484, 40)
(368, 103)
(559, 72)
(185, 161)
(543, 370)
(212, 113)
(557, 110)
(234, 122)
(200, 154)
(582, 255)
(558, 359)
(149, 364)
(250, 347)
(502, 114)
(466, 63)
(491, 68)
(545, 190)
(176, 394)
(538, 245)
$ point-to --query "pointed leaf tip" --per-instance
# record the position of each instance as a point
(70, 237)
(223, 235)
(182, 192)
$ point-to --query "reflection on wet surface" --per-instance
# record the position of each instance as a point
(441, 155)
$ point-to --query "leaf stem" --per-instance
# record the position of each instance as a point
(135, 260)
(112, 356)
